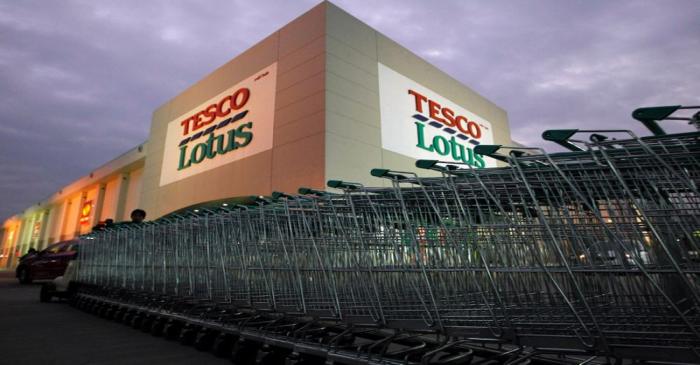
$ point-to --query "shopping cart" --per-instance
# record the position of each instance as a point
(583, 255)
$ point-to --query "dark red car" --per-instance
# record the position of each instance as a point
(48, 263)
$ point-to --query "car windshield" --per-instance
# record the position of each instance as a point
(52, 249)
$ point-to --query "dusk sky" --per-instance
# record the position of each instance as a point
(80, 79)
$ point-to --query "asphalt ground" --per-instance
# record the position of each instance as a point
(56, 333)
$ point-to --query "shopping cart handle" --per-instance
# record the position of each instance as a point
(561, 137)
(490, 151)
(427, 164)
(387, 174)
(595, 137)
(339, 184)
(309, 191)
(278, 194)
(649, 116)
(433, 165)
(261, 199)
(487, 149)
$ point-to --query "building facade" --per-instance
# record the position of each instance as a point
(324, 97)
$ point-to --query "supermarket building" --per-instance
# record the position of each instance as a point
(324, 97)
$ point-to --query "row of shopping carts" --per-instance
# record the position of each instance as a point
(585, 255)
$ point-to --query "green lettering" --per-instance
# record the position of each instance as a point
(231, 145)
(421, 137)
(470, 152)
(441, 145)
(246, 135)
(220, 148)
(479, 161)
(201, 150)
(211, 152)
(181, 164)
(458, 151)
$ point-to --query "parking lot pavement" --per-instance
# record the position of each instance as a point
(56, 333)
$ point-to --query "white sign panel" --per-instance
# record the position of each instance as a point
(230, 126)
(419, 123)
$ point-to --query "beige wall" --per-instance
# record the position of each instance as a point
(109, 204)
(47, 235)
(327, 113)
(10, 237)
(353, 130)
(133, 193)
(297, 155)
(71, 218)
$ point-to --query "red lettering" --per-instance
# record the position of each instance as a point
(240, 98)
(420, 99)
(474, 129)
(449, 116)
(210, 112)
(462, 124)
(186, 124)
(446, 116)
(198, 120)
(220, 107)
(434, 108)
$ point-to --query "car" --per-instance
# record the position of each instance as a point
(46, 264)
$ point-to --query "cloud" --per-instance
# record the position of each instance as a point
(79, 79)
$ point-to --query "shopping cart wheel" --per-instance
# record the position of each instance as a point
(119, 314)
(92, 306)
(102, 313)
(137, 320)
(296, 358)
(108, 313)
(172, 329)
(204, 339)
(223, 344)
(244, 352)
(86, 305)
(83, 303)
(158, 326)
(47, 292)
(147, 323)
(129, 316)
(188, 334)
(270, 355)
(97, 307)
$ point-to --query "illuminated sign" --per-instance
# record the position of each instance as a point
(36, 230)
(419, 123)
(235, 124)
(85, 212)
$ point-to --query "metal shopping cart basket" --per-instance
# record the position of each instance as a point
(590, 255)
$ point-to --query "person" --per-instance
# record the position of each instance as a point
(138, 215)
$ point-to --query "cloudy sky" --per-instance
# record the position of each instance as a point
(80, 79)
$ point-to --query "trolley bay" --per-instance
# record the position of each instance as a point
(580, 256)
